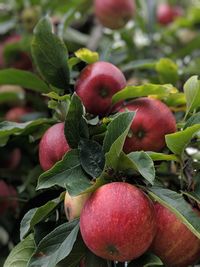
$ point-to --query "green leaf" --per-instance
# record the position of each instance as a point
(192, 93)
(11, 93)
(177, 204)
(75, 124)
(144, 165)
(20, 255)
(115, 137)
(87, 55)
(66, 173)
(146, 260)
(55, 246)
(155, 156)
(194, 119)
(50, 55)
(36, 215)
(167, 70)
(8, 128)
(177, 142)
(130, 92)
(193, 195)
(23, 78)
(91, 157)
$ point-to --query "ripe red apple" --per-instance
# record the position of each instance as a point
(118, 222)
(7, 197)
(74, 204)
(53, 146)
(152, 122)
(174, 243)
(96, 85)
(114, 14)
(167, 13)
(15, 114)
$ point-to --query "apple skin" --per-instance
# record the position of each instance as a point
(114, 14)
(6, 193)
(74, 204)
(152, 122)
(15, 114)
(174, 243)
(167, 13)
(118, 222)
(96, 85)
(53, 146)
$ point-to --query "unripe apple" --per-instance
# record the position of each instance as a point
(74, 204)
(118, 222)
(53, 146)
(15, 114)
(7, 197)
(167, 13)
(152, 122)
(96, 85)
(174, 243)
(114, 14)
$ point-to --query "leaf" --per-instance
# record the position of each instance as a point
(144, 165)
(11, 93)
(130, 92)
(8, 128)
(23, 78)
(66, 173)
(91, 157)
(194, 119)
(75, 125)
(193, 195)
(92, 260)
(146, 260)
(192, 93)
(177, 142)
(55, 246)
(115, 137)
(36, 215)
(87, 55)
(155, 156)
(50, 55)
(20, 255)
(167, 70)
(177, 204)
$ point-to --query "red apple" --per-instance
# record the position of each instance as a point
(118, 222)
(53, 146)
(167, 13)
(152, 122)
(174, 243)
(7, 197)
(74, 204)
(15, 114)
(96, 85)
(13, 159)
(114, 14)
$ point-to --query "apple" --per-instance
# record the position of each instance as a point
(96, 85)
(114, 14)
(118, 222)
(167, 13)
(13, 159)
(152, 122)
(74, 204)
(8, 196)
(174, 243)
(19, 59)
(15, 114)
(53, 146)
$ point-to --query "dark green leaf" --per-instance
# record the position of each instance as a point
(66, 173)
(177, 204)
(20, 255)
(55, 246)
(23, 78)
(50, 55)
(194, 119)
(146, 260)
(91, 157)
(75, 125)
